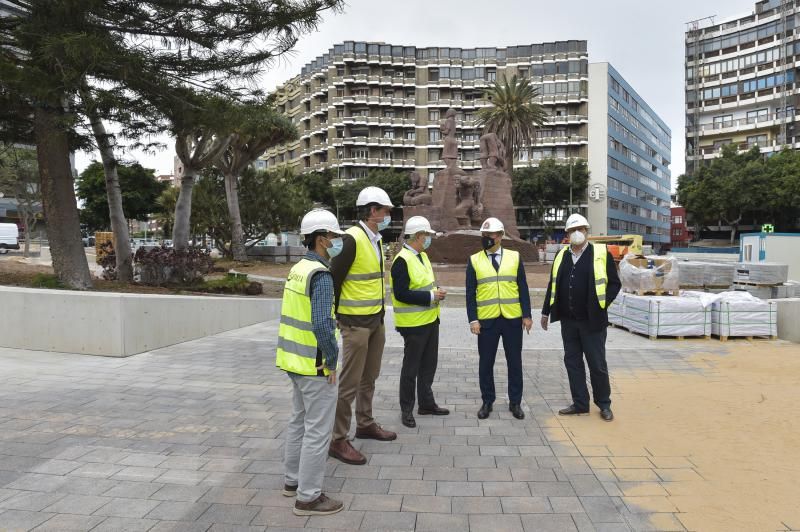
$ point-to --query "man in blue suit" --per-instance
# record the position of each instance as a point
(498, 306)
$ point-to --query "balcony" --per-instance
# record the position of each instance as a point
(385, 163)
(562, 97)
(567, 119)
(375, 141)
(743, 124)
(551, 141)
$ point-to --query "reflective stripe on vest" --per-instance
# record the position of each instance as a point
(600, 272)
(421, 277)
(297, 344)
(498, 292)
(363, 288)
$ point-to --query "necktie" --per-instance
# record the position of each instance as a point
(495, 263)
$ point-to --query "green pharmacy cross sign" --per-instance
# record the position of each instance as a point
(767, 228)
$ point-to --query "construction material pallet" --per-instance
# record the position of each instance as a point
(760, 285)
(657, 292)
(749, 338)
(660, 336)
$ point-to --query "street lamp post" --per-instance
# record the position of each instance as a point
(569, 139)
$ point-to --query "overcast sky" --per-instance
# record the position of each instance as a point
(642, 39)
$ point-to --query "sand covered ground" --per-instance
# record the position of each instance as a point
(722, 448)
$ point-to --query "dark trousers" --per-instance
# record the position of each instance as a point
(580, 341)
(510, 330)
(420, 357)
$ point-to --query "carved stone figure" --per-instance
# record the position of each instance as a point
(493, 152)
(448, 129)
(468, 205)
(418, 194)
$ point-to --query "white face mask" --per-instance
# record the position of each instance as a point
(576, 238)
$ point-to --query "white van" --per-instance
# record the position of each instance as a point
(9, 237)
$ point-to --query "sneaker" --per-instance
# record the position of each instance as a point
(322, 506)
(289, 491)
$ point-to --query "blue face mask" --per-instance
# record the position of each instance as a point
(385, 223)
(336, 247)
(427, 243)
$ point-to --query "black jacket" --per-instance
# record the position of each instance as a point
(598, 317)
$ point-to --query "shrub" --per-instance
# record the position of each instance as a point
(43, 280)
(167, 266)
(107, 258)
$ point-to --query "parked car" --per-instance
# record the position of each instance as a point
(9, 237)
(88, 240)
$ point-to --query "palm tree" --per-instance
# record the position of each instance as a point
(514, 115)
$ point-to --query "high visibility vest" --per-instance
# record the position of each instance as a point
(363, 288)
(498, 292)
(420, 278)
(297, 345)
(600, 273)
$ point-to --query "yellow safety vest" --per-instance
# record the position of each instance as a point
(600, 273)
(297, 345)
(498, 292)
(363, 288)
(420, 278)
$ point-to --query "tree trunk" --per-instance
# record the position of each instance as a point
(510, 163)
(58, 200)
(183, 211)
(119, 224)
(237, 233)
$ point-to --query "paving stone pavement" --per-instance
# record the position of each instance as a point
(189, 437)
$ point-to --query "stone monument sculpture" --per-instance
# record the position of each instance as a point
(418, 194)
(461, 200)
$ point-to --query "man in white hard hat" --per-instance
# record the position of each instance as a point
(415, 297)
(358, 276)
(498, 306)
(308, 353)
(583, 283)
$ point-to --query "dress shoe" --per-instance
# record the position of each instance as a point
(323, 505)
(408, 420)
(289, 490)
(343, 450)
(572, 411)
(375, 432)
(435, 410)
(483, 413)
(607, 414)
(516, 410)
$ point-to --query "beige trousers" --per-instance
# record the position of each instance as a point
(361, 365)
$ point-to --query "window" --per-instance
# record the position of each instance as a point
(433, 116)
(389, 113)
(388, 133)
(759, 115)
(723, 121)
(491, 75)
(757, 140)
(433, 95)
(411, 134)
(388, 154)
(434, 135)
(361, 153)
(433, 74)
(523, 73)
(677, 219)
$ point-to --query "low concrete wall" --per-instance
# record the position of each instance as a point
(119, 325)
(788, 318)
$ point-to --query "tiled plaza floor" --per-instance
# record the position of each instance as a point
(189, 437)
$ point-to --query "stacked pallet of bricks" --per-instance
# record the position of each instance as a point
(698, 275)
(736, 314)
(765, 280)
(661, 316)
(649, 275)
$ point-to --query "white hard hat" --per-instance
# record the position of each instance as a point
(418, 224)
(373, 195)
(576, 220)
(492, 225)
(320, 220)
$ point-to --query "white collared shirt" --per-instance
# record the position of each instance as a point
(375, 238)
(576, 256)
(499, 254)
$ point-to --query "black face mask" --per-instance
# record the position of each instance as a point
(487, 242)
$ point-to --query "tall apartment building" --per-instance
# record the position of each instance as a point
(367, 105)
(740, 82)
(629, 157)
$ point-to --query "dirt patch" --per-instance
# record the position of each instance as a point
(722, 449)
